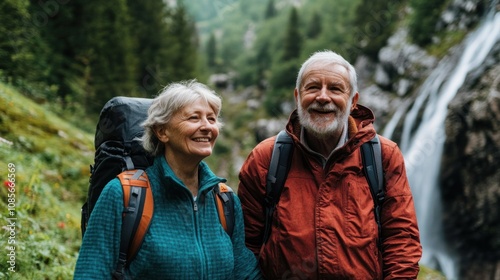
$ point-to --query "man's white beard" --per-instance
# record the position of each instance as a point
(323, 127)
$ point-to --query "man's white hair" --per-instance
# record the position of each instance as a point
(328, 57)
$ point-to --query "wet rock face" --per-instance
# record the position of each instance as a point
(470, 176)
(470, 169)
(462, 14)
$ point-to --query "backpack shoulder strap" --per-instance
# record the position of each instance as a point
(225, 207)
(279, 166)
(137, 214)
(371, 153)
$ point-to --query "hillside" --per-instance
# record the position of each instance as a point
(48, 160)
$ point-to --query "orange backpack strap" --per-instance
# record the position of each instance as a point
(137, 214)
(224, 201)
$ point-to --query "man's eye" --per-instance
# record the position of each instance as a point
(339, 90)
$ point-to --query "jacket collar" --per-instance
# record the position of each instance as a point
(207, 179)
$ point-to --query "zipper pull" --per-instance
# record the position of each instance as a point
(195, 206)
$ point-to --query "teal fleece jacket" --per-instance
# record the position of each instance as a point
(185, 239)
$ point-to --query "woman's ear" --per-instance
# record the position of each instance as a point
(161, 133)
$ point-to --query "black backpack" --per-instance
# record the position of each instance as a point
(119, 153)
(117, 147)
(281, 157)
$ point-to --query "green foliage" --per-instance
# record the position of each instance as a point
(282, 84)
(293, 39)
(429, 274)
(315, 27)
(375, 21)
(16, 31)
(149, 33)
(65, 71)
(338, 36)
(263, 62)
(447, 39)
(253, 66)
(50, 159)
(211, 51)
(270, 10)
(107, 47)
(284, 75)
(183, 46)
(23, 60)
(89, 51)
(247, 74)
(423, 21)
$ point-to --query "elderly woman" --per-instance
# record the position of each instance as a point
(185, 239)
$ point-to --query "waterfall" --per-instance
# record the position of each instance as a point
(422, 142)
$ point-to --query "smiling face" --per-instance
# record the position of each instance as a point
(323, 100)
(191, 133)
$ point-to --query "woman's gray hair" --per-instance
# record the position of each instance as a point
(329, 57)
(172, 98)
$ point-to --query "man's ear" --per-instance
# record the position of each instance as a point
(161, 133)
(354, 101)
(296, 96)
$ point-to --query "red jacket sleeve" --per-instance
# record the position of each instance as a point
(251, 191)
(400, 236)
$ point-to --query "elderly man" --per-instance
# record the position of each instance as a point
(324, 224)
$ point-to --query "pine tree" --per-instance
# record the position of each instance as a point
(424, 19)
(211, 51)
(270, 10)
(107, 50)
(314, 27)
(263, 61)
(22, 50)
(183, 46)
(149, 33)
(66, 70)
(375, 21)
(292, 42)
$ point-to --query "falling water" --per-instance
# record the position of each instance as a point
(422, 143)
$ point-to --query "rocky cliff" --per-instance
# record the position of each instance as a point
(470, 180)
(470, 168)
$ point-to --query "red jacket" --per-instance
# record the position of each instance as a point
(324, 225)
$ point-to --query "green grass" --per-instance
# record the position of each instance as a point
(429, 274)
(50, 159)
(447, 39)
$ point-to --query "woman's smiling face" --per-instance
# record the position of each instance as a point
(192, 131)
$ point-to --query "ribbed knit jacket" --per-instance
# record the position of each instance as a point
(185, 239)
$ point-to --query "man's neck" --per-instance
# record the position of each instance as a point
(323, 145)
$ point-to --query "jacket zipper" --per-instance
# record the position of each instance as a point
(201, 252)
(203, 258)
